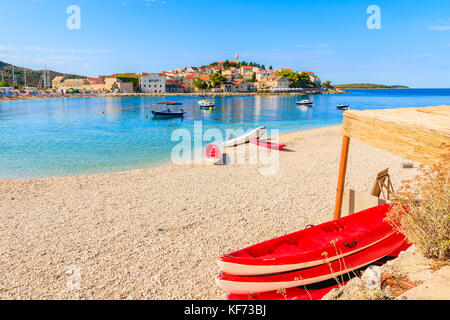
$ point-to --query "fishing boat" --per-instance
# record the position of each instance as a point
(206, 103)
(267, 144)
(168, 113)
(304, 102)
(306, 248)
(255, 134)
(235, 284)
(342, 106)
(212, 154)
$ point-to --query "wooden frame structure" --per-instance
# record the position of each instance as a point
(419, 134)
(383, 182)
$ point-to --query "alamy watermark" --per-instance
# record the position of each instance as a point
(74, 20)
(374, 20)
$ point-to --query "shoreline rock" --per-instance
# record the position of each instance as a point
(410, 265)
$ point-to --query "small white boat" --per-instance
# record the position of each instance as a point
(304, 102)
(206, 103)
(254, 134)
(342, 106)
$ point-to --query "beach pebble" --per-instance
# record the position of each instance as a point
(372, 277)
(157, 233)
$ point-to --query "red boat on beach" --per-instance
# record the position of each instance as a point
(311, 247)
(267, 144)
(254, 284)
(314, 291)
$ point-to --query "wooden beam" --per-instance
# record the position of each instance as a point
(341, 177)
(419, 134)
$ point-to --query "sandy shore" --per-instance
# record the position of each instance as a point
(156, 233)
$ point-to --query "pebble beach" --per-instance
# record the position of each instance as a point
(156, 233)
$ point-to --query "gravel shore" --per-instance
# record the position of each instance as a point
(156, 233)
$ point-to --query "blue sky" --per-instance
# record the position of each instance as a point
(330, 38)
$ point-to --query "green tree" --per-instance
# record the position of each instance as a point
(305, 79)
(270, 68)
(4, 84)
(217, 79)
(296, 80)
(327, 84)
(253, 77)
(200, 84)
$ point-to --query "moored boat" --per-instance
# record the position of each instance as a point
(304, 102)
(342, 106)
(206, 103)
(168, 113)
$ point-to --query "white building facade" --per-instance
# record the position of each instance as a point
(263, 74)
(153, 83)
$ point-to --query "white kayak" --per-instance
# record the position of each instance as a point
(254, 134)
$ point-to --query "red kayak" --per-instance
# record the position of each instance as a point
(299, 293)
(311, 292)
(311, 247)
(267, 144)
(212, 153)
(254, 284)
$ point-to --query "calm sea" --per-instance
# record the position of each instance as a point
(73, 136)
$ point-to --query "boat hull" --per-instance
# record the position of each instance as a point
(267, 144)
(304, 102)
(255, 134)
(255, 284)
(157, 114)
(314, 291)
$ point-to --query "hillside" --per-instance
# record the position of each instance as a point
(368, 86)
(33, 76)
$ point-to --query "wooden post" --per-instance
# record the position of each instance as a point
(341, 178)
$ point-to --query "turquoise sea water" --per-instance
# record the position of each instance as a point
(72, 136)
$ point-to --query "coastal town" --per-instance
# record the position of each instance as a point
(218, 77)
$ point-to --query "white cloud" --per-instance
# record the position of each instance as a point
(440, 25)
(439, 28)
(71, 51)
(317, 46)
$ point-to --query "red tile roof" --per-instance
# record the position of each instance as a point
(236, 82)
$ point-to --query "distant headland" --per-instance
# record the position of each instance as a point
(368, 86)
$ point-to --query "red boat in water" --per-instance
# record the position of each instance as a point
(254, 284)
(311, 247)
(267, 144)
